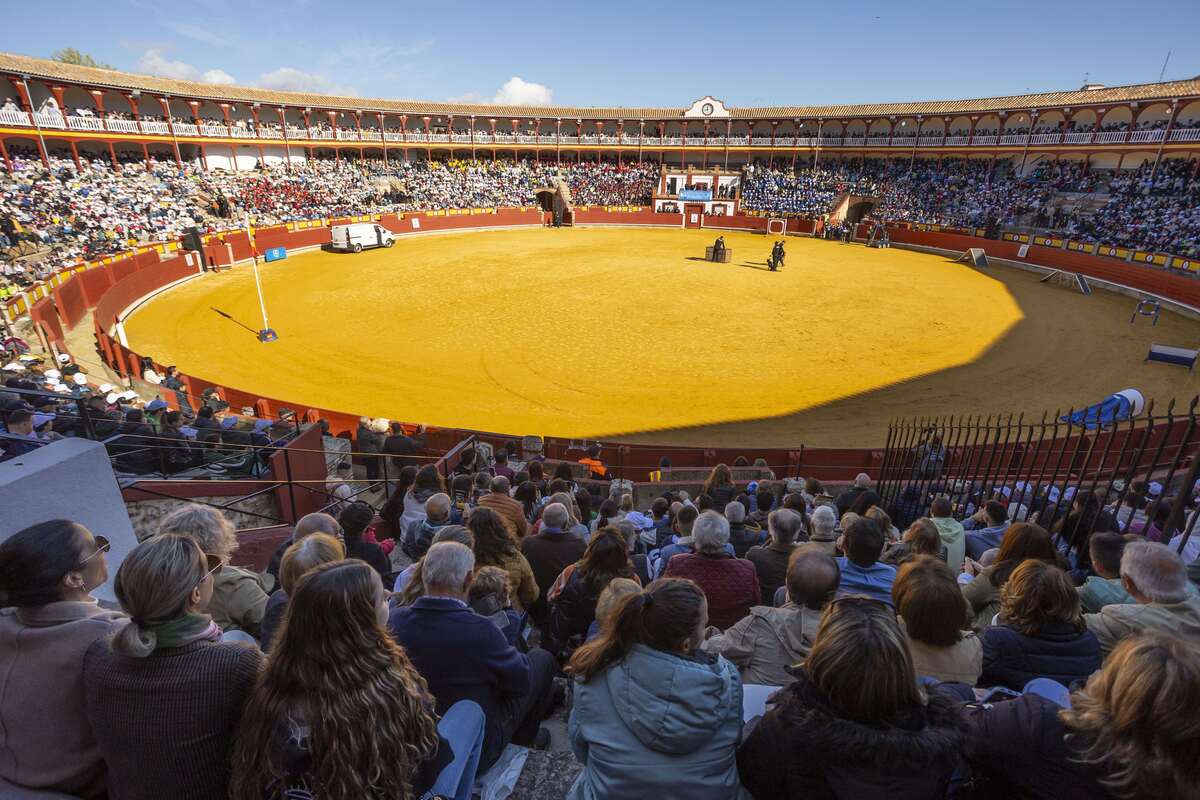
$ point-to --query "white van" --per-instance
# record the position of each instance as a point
(359, 235)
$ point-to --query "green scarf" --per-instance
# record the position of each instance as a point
(183, 630)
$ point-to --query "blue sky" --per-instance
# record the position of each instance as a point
(628, 54)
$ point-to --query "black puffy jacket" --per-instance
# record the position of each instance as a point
(804, 749)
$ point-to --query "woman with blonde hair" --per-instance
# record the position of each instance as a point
(311, 551)
(239, 597)
(881, 518)
(340, 711)
(1041, 632)
(921, 539)
(165, 694)
(1132, 732)
(858, 714)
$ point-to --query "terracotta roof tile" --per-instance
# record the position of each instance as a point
(44, 69)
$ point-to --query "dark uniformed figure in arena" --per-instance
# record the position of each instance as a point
(719, 249)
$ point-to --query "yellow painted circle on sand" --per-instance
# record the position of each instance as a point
(578, 332)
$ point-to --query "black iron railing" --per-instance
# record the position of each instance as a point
(1048, 462)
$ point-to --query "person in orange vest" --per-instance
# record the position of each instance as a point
(596, 468)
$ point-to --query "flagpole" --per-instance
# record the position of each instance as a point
(266, 333)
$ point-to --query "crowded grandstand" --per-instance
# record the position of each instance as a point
(208, 592)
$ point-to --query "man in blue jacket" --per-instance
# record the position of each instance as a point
(985, 529)
(463, 656)
(862, 573)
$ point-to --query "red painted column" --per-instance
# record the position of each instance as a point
(59, 92)
(112, 154)
(98, 99)
(4, 155)
(75, 155)
(428, 149)
(492, 124)
(558, 142)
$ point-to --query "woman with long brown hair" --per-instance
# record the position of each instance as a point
(858, 714)
(654, 715)
(1132, 732)
(340, 712)
(719, 485)
(495, 547)
(573, 605)
(1022, 541)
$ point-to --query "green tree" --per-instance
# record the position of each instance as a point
(69, 55)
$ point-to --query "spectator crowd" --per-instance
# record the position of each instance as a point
(761, 638)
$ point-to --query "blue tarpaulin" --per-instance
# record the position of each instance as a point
(1118, 407)
(695, 195)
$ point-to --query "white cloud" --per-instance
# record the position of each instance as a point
(290, 79)
(153, 62)
(217, 76)
(515, 92)
(518, 92)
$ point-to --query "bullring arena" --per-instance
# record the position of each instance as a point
(603, 327)
(505, 446)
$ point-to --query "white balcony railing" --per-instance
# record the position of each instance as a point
(1186, 135)
(270, 133)
(13, 116)
(209, 129)
(878, 141)
(1111, 137)
(1045, 138)
(854, 141)
(186, 129)
(296, 133)
(930, 141)
(155, 127)
(242, 133)
(322, 135)
(1147, 136)
(49, 119)
(85, 123)
(347, 136)
(1077, 138)
(121, 125)
(1014, 138)
(957, 141)
(983, 140)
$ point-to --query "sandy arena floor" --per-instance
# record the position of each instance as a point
(627, 333)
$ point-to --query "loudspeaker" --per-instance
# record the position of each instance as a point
(192, 240)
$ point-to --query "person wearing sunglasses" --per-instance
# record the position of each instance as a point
(165, 694)
(239, 596)
(864, 723)
(48, 620)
